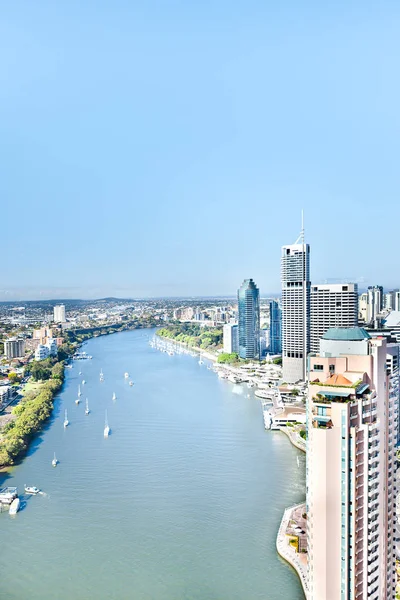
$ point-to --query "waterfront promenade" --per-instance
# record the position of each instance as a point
(292, 518)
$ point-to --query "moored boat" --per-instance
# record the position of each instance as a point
(54, 462)
(126, 375)
(66, 422)
(87, 411)
(107, 429)
(31, 489)
(14, 506)
(114, 396)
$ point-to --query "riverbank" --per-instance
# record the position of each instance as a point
(291, 542)
(35, 406)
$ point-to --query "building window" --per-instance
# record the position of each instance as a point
(318, 367)
(331, 369)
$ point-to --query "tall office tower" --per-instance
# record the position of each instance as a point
(249, 320)
(388, 300)
(275, 328)
(332, 305)
(392, 300)
(59, 313)
(295, 276)
(363, 307)
(375, 303)
(230, 338)
(352, 413)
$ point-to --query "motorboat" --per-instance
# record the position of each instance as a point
(131, 383)
(106, 427)
(79, 391)
(114, 396)
(77, 400)
(31, 489)
(101, 375)
(54, 462)
(126, 375)
(66, 422)
(83, 381)
(87, 411)
(14, 506)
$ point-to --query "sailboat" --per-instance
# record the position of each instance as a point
(87, 411)
(114, 396)
(80, 372)
(101, 375)
(66, 422)
(200, 361)
(106, 428)
(79, 391)
(126, 375)
(54, 461)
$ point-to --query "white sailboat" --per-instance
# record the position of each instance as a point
(87, 411)
(83, 381)
(114, 396)
(79, 391)
(200, 361)
(101, 375)
(126, 375)
(80, 372)
(66, 422)
(54, 461)
(106, 427)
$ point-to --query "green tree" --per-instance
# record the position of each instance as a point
(13, 378)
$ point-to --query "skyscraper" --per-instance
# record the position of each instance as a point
(275, 328)
(332, 305)
(59, 313)
(249, 320)
(295, 276)
(375, 303)
(351, 436)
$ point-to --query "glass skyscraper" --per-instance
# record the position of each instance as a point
(249, 320)
(275, 328)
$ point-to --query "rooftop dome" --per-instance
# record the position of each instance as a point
(348, 334)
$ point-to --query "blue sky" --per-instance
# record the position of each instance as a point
(167, 148)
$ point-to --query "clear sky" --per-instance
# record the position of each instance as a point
(167, 147)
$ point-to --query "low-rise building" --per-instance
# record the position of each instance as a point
(41, 352)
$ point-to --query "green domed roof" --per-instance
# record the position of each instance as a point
(348, 334)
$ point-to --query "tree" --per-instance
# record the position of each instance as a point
(278, 360)
(226, 358)
(13, 378)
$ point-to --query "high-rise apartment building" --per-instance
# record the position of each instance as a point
(230, 338)
(363, 307)
(375, 303)
(351, 435)
(332, 305)
(295, 276)
(275, 328)
(59, 313)
(392, 300)
(14, 348)
(249, 320)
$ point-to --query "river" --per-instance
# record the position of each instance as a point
(182, 502)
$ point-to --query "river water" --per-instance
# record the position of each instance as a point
(182, 502)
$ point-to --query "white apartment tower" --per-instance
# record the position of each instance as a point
(351, 436)
(59, 313)
(332, 305)
(295, 277)
(230, 338)
(375, 303)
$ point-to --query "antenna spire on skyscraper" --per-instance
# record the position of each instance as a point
(301, 238)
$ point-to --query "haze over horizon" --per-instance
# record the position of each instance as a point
(167, 149)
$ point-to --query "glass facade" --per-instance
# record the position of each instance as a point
(275, 332)
(249, 320)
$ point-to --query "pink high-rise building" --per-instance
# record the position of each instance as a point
(352, 432)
